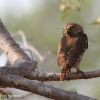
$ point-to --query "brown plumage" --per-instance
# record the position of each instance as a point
(71, 48)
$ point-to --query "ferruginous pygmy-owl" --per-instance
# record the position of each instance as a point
(71, 48)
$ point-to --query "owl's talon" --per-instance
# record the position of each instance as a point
(62, 77)
(81, 72)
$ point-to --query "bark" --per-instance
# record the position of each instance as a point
(40, 76)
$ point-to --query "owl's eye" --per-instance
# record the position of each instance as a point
(72, 30)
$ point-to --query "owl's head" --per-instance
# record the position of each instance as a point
(73, 30)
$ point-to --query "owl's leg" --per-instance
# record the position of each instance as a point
(65, 71)
(79, 71)
(63, 74)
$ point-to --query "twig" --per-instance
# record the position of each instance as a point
(36, 52)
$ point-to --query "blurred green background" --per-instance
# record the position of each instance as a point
(42, 21)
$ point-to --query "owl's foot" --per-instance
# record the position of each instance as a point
(65, 72)
(62, 77)
(80, 72)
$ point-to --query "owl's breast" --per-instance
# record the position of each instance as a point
(71, 41)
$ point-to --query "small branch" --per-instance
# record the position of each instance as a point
(30, 74)
(39, 88)
(41, 58)
(73, 76)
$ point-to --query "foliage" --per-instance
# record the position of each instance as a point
(67, 6)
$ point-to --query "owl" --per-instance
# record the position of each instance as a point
(71, 48)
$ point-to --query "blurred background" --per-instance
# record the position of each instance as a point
(42, 21)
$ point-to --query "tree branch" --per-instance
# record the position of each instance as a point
(56, 76)
(14, 53)
(40, 76)
(8, 80)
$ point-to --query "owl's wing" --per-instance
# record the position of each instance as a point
(75, 54)
(83, 41)
(86, 40)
